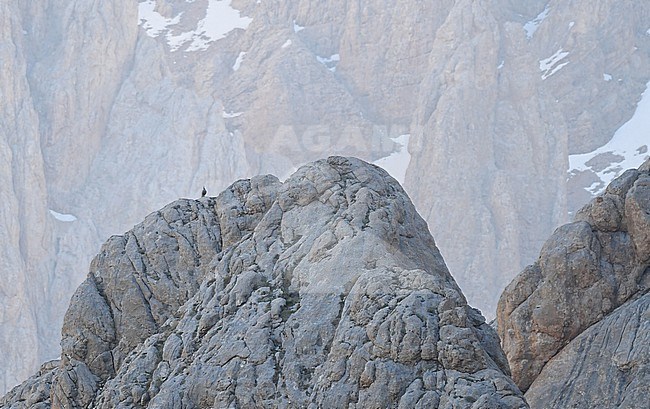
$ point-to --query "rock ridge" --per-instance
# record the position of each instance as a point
(326, 290)
(584, 305)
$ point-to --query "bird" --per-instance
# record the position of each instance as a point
(204, 192)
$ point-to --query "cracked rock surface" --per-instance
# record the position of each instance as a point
(607, 366)
(325, 291)
(574, 325)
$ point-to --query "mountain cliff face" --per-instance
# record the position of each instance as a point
(108, 111)
(326, 290)
(575, 325)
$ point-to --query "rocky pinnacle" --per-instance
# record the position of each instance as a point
(325, 291)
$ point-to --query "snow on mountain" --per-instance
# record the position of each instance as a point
(330, 62)
(297, 27)
(152, 21)
(228, 115)
(627, 149)
(531, 26)
(63, 217)
(238, 61)
(553, 64)
(220, 19)
(397, 162)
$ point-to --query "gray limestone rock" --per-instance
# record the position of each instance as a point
(637, 211)
(93, 96)
(607, 366)
(325, 291)
(560, 314)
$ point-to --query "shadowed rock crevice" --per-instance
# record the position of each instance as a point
(326, 290)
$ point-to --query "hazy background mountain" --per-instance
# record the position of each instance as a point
(109, 110)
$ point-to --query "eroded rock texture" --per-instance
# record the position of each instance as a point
(607, 366)
(323, 291)
(93, 96)
(574, 325)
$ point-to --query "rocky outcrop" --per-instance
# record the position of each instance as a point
(607, 366)
(326, 290)
(583, 306)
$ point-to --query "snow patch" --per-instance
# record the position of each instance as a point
(531, 26)
(607, 77)
(63, 217)
(153, 22)
(220, 19)
(238, 61)
(286, 44)
(628, 148)
(225, 114)
(330, 62)
(397, 162)
(296, 27)
(551, 65)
